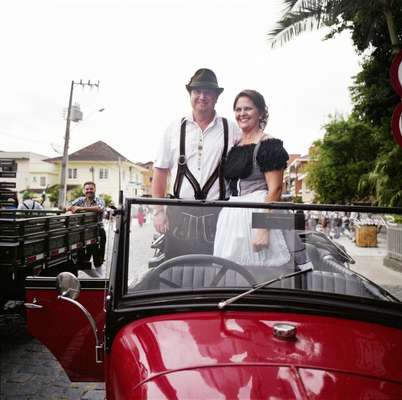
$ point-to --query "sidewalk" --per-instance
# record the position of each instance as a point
(369, 263)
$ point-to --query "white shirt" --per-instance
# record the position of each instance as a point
(203, 152)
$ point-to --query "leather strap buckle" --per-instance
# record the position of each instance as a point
(181, 160)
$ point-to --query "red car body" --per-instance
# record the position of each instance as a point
(234, 355)
(195, 351)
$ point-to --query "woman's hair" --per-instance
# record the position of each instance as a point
(259, 102)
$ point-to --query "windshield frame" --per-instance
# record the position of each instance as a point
(139, 305)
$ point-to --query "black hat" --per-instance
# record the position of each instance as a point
(204, 79)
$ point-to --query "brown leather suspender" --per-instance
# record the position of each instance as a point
(184, 171)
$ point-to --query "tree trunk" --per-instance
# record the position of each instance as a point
(395, 44)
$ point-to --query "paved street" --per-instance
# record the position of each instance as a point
(29, 372)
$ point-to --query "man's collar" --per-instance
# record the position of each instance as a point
(190, 118)
(89, 201)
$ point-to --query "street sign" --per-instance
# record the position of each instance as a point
(396, 124)
(396, 73)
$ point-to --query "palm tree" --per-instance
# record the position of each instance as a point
(303, 15)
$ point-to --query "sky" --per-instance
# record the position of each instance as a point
(143, 52)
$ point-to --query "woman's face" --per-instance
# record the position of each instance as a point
(247, 114)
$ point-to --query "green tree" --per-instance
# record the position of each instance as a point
(76, 192)
(374, 101)
(340, 160)
(29, 195)
(385, 180)
(107, 198)
(375, 25)
(369, 15)
(52, 194)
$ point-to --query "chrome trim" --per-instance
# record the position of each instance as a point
(284, 331)
(98, 346)
(34, 305)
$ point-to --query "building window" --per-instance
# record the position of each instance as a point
(103, 173)
(72, 173)
(43, 180)
(34, 180)
(8, 166)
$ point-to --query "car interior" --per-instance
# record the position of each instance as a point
(330, 269)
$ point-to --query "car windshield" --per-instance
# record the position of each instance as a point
(232, 245)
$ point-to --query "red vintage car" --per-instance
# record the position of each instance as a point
(295, 322)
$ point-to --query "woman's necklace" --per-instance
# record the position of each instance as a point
(251, 138)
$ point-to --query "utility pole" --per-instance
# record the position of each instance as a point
(64, 163)
(119, 164)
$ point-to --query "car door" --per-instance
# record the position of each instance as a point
(63, 327)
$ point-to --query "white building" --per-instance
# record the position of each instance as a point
(33, 173)
(295, 178)
(103, 165)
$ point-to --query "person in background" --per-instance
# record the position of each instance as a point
(140, 216)
(254, 167)
(90, 202)
(28, 203)
(10, 204)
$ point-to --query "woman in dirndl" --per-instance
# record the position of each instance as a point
(254, 168)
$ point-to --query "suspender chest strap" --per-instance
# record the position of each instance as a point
(184, 171)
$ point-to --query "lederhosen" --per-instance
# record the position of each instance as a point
(192, 229)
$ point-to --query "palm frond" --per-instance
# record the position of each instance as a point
(307, 15)
(304, 15)
(289, 4)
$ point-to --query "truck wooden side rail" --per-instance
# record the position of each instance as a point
(42, 242)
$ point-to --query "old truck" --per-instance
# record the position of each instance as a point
(39, 242)
(43, 243)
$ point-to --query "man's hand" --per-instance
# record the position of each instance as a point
(161, 222)
(74, 209)
(261, 240)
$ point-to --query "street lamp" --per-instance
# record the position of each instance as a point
(64, 163)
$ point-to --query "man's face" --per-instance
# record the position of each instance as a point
(89, 191)
(203, 100)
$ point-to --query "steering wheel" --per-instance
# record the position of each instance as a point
(154, 278)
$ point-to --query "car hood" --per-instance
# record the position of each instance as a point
(235, 355)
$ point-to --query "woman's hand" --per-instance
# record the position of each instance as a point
(261, 240)
(161, 222)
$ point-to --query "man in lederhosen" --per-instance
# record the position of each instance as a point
(192, 152)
